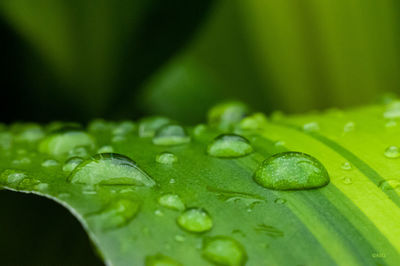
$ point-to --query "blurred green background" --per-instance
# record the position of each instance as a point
(79, 59)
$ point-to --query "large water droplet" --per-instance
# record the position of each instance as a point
(171, 201)
(110, 169)
(291, 171)
(195, 220)
(161, 260)
(392, 152)
(229, 145)
(223, 250)
(116, 214)
(391, 184)
(148, 126)
(226, 115)
(62, 142)
(72, 163)
(171, 134)
(166, 158)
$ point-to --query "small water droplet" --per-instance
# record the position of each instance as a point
(72, 163)
(79, 151)
(89, 190)
(161, 260)
(349, 126)
(41, 186)
(280, 201)
(291, 171)
(30, 133)
(392, 152)
(172, 181)
(12, 177)
(346, 166)
(222, 250)
(6, 140)
(269, 230)
(311, 127)
(229, 146)
(64, 195)
(253, 122)
(171, 201)
(226, 115)
(100, 125)
(195, 220)
(116, 214)
(106, 149)
(148, 126)
(391, 184)
(62, 142)
(392, 110)
(110, 169)
(166, 158)
(199, 129)
(280, 143)
(158, 213)
(124, 128)
(347, 180)
(118, 138)
(50, 163)
(22, 161)
(171, 134)
(391, 123)
(179, 238)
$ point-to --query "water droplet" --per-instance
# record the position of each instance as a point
(50, 163)
(392, 152)
(250, 200)
(229, 146)
(166, 158)
(391, 184)
(171, 134)
(179, 238)
(171, 201)
(226, 115)
(79, 151)
(391, 123)
(148, 126)
(110, 169)
(280, 201)
(62, 142)
(106, 149)
(6, 140)
(116, 214)
(349, 126)
(199, 129)
(311, 127)
(29, 133)
(346, 166)
(269, 230)
(172, 181)
(195, 220)
(12, 177)
(22, 161)
(253, 122)
(124, 128)
(291, 171)
(392, 110)
(161, 260)
(100, 125)
(158, 213)
(347, 180)
(41, 186)
(280, 143)
(63, 195)
(222, 250)
(72, 163)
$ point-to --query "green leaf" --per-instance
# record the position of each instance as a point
(178, 205)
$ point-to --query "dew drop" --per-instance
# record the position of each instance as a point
(148, 126)
(347, 180)
(50, 163)
(110, 169)
(72, 163)
(171, 134)
(62, 142)
(166, 158)
(226, 115)
(79, 151)
(179, 238)
(199, 129)
(22, 161)
(280, 201)
(392, 110)
(172, 181)
(346, 166)
(392, 152)
(391, 124)
(100, 125)
(311, 127)
(222, 250)
(30, 133)
(195, 220)
(229, 146)
(280, 143)
(253, 122)
(171, 201)
(116, 214)
(391, 184)
(349, 126)
(12, 177)
(6, 140)
(124, 128)
(291, 171)
(161, 260)
(158, 213)
(41, 186)
(106, 149)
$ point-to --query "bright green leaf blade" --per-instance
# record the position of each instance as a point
(351, 221)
